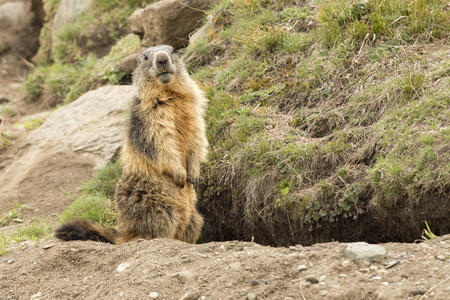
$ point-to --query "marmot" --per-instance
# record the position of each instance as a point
(165, 143)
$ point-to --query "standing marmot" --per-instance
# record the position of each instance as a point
(164, 146)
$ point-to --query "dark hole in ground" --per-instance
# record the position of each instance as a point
(225, 220)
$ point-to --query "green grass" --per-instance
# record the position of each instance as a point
(6, 139)
(427, 234)
(317, 113)
(399, 21)
(97, 202)
(30, 124)
(103, 21)
(68, 81)
(33, 231)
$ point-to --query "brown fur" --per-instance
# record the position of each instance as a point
(164, 147)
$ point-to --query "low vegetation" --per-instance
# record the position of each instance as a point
(83, 54)
(68, 81)
(32, 231)
(324, 118)
(14, 230)
(97, 201)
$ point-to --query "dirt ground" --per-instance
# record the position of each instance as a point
(169, 269)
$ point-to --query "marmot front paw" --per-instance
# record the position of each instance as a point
(193, 174)
(180, 177)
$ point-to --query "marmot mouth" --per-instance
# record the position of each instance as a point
(164, 71)
(164, 77)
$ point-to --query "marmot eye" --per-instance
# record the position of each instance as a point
(145, 57)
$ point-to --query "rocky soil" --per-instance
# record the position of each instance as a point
(170, 269)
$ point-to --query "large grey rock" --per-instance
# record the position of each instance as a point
(168, 22)
(362, 250)
(91, 125)
(86, 130)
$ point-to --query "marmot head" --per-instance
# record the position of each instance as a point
(158, 63)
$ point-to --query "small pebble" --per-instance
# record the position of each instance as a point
(418, 292)
(251, 296)
(153, 295)
(122, 267)
(192, 295)
(186, 276)
(312, 280)
(36, 296)
(373, 268)
(236, 265)
(301, 268)
(8, 260)
(346, 263)
(324, 293)
(441, 257)
(47, 246)
(254, 282)
(364, 270)
(376, 278)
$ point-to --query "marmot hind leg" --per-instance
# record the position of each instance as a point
(146, 210)
(194, 228)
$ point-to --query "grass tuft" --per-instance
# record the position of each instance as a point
(97, 202)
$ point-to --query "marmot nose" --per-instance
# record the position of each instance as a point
(162, 61)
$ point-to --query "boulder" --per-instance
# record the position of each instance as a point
(168, 22)
(90, 126)
(129, 62)
(72, 142)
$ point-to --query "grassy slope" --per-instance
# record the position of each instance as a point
(326, 121)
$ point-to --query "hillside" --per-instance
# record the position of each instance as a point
(327, 121)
